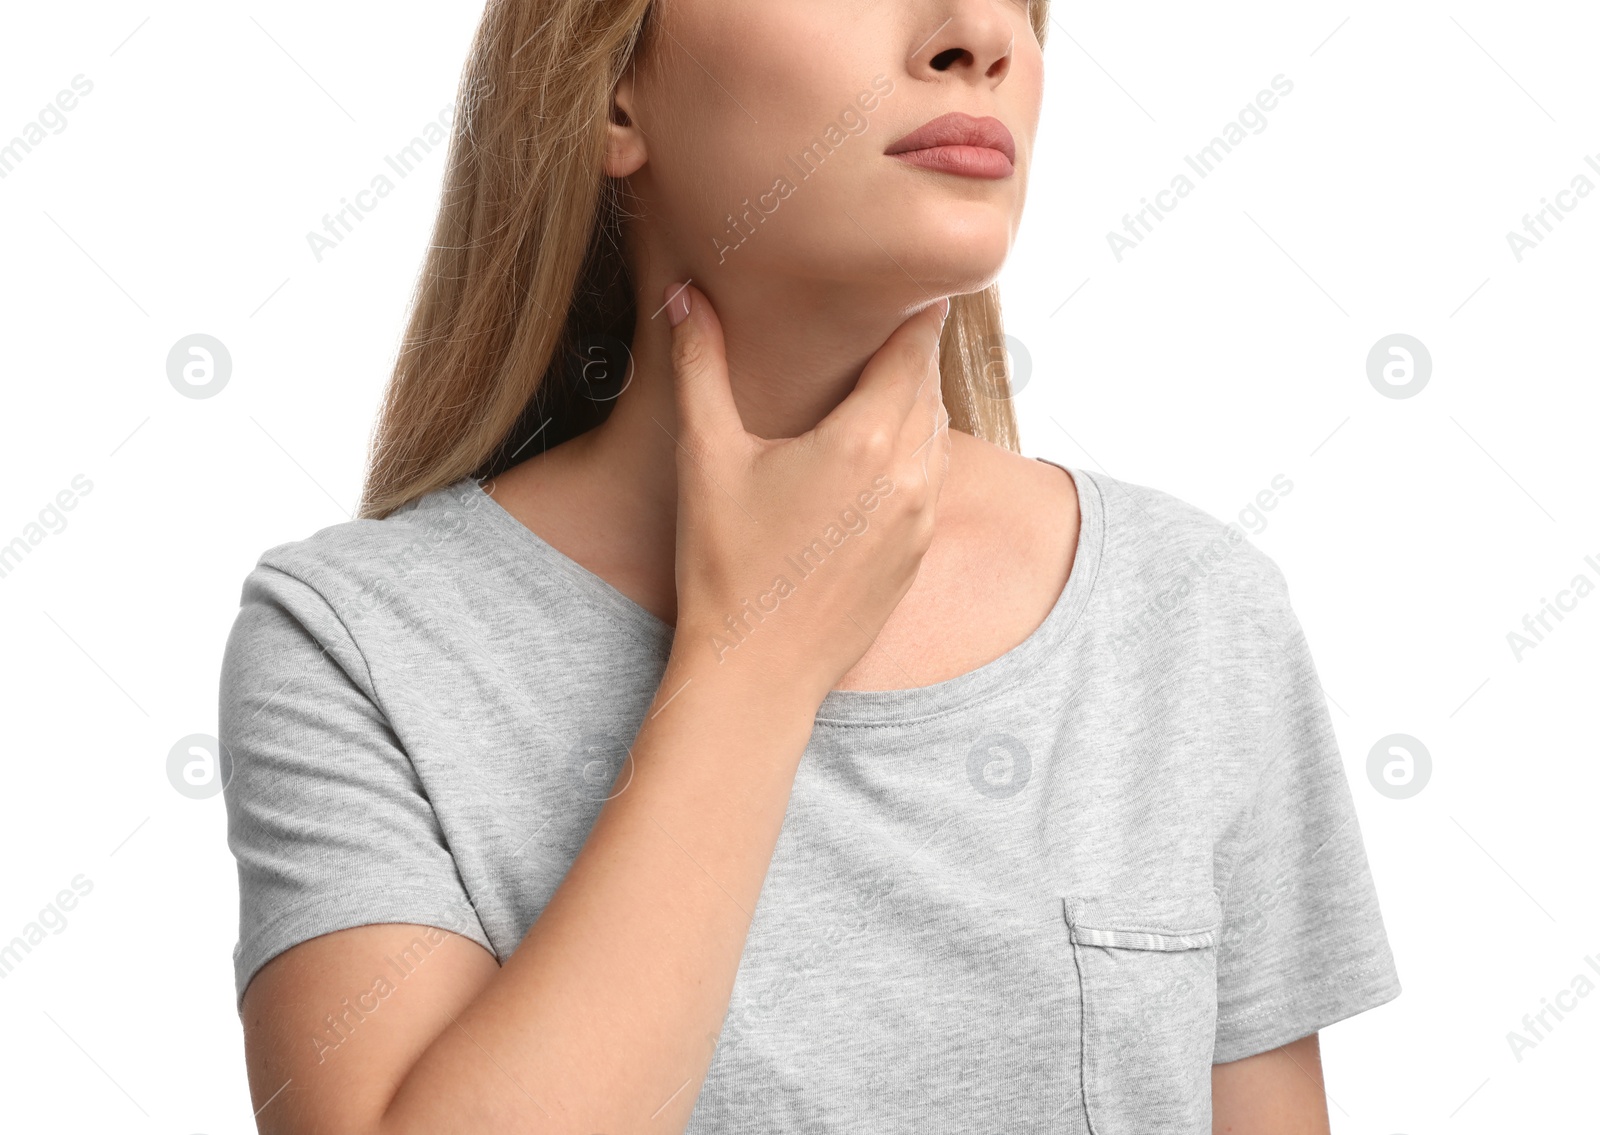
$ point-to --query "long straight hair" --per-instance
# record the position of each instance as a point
(525, 278)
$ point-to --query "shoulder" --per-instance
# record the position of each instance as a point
(1172, 567)
(1198, 638)
(354, 568)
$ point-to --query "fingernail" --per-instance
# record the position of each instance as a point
(944, 310)
(677, 303)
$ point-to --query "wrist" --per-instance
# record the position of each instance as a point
(739, 664)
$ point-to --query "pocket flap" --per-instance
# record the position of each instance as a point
(1184, 925)
(1143, 939)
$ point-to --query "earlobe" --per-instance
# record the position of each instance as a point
(625, 152)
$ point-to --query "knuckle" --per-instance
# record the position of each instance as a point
(911, 493)
(688, 353)
(875, 443)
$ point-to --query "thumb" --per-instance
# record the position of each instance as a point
(706, 410)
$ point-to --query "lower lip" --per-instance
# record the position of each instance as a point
(968, 161)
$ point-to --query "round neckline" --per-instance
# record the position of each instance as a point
(525, 550)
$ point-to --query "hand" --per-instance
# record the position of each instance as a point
(792, 553)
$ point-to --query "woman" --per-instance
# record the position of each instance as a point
(722, 742)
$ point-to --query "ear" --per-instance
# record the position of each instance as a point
(625, 141)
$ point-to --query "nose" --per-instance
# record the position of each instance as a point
(972, 40)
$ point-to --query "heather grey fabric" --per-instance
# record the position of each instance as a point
(1044, 895)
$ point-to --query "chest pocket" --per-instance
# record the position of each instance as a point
(1148, 986)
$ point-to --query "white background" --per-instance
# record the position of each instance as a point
(1229, 347)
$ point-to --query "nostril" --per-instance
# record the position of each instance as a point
(949, 58)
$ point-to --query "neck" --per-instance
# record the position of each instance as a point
(793, 355)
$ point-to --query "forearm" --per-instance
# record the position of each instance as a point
(607, 1014)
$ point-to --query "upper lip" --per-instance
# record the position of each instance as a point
(957, 129)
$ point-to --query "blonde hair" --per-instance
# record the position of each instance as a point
(526, 269)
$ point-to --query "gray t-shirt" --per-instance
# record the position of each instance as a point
(1046, 894)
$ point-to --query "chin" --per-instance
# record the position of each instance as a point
(947, 247)
(952, 278)
(952, 260)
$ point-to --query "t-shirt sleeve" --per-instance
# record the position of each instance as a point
(1302, 943)
(327, 818)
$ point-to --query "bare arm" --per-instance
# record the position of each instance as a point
(1273, 1093)
(611, 1005)
(606, 1016)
